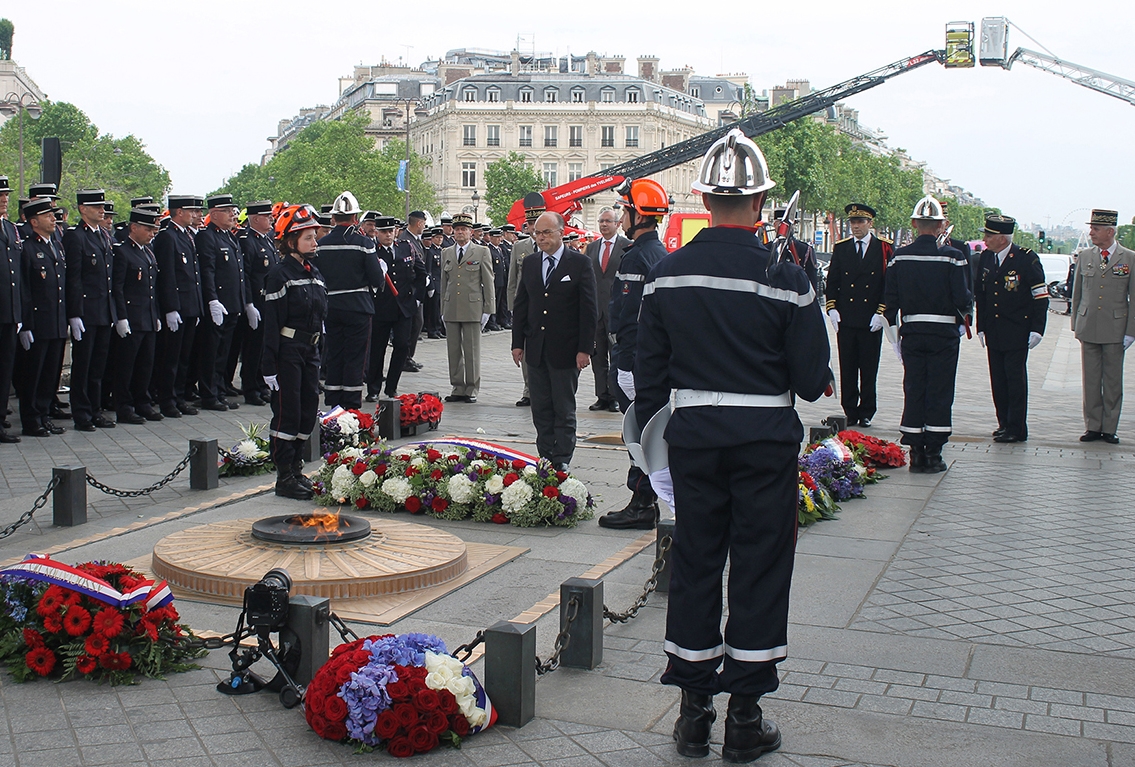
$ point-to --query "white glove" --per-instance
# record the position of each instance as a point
(961, 330)
(253, 316)
(981, 337)
(1127, 341)
(19, 326)
(123, 328)
(833, 318)
(26, 339)
(897, 346)
(385, 268)
(1034, 340)
(173, 321)
(217, 311)
(159, 326)
(663, 485)
(430, 292)
(878, 322)
(272, 383)
(77, 328)
(484, 321)
(626, 383)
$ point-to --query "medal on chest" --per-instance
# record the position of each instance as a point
(1121, 270)
(1012, 281)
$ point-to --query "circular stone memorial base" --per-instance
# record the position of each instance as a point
(220, 560)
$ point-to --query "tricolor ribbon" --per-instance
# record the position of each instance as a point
(499, 451)
(40, 567)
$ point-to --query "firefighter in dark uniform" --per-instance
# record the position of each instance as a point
(350, 268)
(90, 309)
(183, 309)
(393, 310)
(295, 303)
(258, 247)
(508, 237)
(11, 311)
(855, 307)
(432, 305)
(226, 295)
(139, 319)
(737, 338)
(500, 276)
(927, 285)
(44, 332)
(1012, 308)
(644, 202)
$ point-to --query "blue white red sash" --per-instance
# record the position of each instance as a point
(39, 567)
(498, 451)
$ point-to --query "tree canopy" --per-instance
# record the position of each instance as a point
(506, 181)
(121, 166)
(7, 32)
(329, 157)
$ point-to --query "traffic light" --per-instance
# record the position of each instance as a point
(1040, 237)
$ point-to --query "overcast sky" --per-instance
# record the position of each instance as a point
(203, 89)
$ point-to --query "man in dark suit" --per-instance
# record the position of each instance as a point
(500, 319)
(179, 296)
(411, 236)
(393, 312)
(1012, 308)
(11, 315)
(605, 253)
(139, 320)
(855, 309)
(553, 329)
(90, 309)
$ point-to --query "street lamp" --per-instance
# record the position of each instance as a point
(15, 104)
(476, 202)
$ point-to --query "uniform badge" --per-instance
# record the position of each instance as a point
(265, 262)
(1121, 270)
(1012, 281)
(42, 273)
(184, 260)
(94, 260)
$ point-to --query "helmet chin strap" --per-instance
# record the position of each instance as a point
(639, 224)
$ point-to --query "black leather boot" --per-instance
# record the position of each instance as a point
(640, 514)
(933, 463)
(695, 720)
(297, 472)
(747, 733)
(917, 460)
(288, 486)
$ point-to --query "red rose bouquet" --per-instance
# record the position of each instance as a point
(403, 693)
(420, 409)
(874, 452)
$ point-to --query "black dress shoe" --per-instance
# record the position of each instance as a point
(231, 405)
(38, 431)
(8, 439)
(132, 418)
(186, 409)
(85, 426)
(58, 412)
(408, 368)
(695, 721)
(613, 406)
(51, 427)
(599, 404)
(471, 399)
(254, 399)
(102, 422)
(171, 412)
(151, 415)
(998, 431)
(454, 397)
(216, 405)
(231, 390)
(372, 398)
(1111, 439)
(433, 335)
(865, 422)
(6, 424)
(1091, 436)
(747, 733)
(524, 402)
(1006, 438)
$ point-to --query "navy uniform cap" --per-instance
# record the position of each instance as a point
(42, 190)
(259, 208)
(185, 201)
(220, 201)
(90, 197)
(385, 222)
(136, 201)
(1000, 225)
(4, 187)
(859, 210)
(144, 216)
(37, 205)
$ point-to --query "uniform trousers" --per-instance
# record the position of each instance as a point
(740, 502)
(348, 336)
(637, 480)
(174, 351)
(1009, 380)
(858, 371)
(552, 391)
(431, 308)
(8, 345)
(1103, 385)
(503, 315)
(381, 331)
(463, 345)
(213, 354)
(35, 380)
(251, 352)
(930, 365)
(132, 370)
(418, 319)
(295, 404)
(601, 364)
(88, 363)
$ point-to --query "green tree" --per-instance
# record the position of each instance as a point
(1125, 235)
(506, 181)
(969, 220)
(329, 157)
(7, 32)
(121, 166)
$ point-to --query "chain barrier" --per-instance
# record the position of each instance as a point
(345, 631)
(562, 640)
(648, 589)
(146, 490)
(469, 647)
(26, 517)
(212, 643)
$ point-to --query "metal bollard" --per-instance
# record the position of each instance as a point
(308, 618)
(69, 498)
(585, 634)
(390, 418)
(818, 434)
(510, 671)
(837, 423)
(203, 465)
(311, 450)
(665, 528)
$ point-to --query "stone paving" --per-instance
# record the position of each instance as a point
(974, 618)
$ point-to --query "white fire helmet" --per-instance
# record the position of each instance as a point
(928, 209)
(345, 205)
(734, 165)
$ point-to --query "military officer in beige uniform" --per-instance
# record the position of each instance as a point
(467, 299)
(1103, 319)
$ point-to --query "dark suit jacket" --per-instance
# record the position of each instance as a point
(44, 289)
(11, 279)
(855, 287)
(604, 280)
(89, 268)
(557, 322)
(1011, 298)
(179, 274)
(136, 286)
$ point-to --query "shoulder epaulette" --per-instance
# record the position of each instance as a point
(884, 239)
(845, 239)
